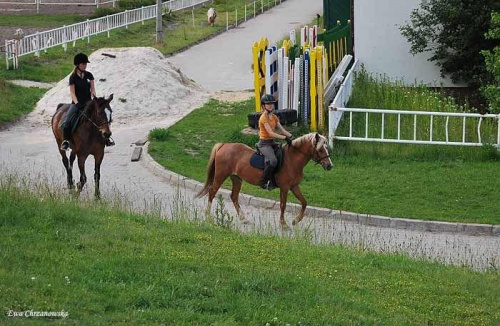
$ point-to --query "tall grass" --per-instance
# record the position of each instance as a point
(378, 92)
(104, 265)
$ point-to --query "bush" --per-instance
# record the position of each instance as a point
(102, 12)
(132, 4)
(159, 134)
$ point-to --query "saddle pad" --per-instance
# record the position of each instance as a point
(257, 161)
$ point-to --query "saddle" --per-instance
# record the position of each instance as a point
(73, 120)
(258, 159)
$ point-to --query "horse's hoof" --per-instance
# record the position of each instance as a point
(285, 227)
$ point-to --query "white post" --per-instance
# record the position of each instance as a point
(262, 6)
(88, 32)
(107, 24)
(114, 3)
(65, 39)
(37, 53)
(192, 11)
(7, 58)
(37, 6)
(142, 15)
(236, 20)
(97, 3)
(227, 21)
(254, 9)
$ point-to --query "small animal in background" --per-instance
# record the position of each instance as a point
(211, 14)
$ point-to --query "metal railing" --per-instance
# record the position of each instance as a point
(431, 131)
(428, 123)
(41, 41)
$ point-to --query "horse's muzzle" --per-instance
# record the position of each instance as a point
(327, 166)
(106, 133)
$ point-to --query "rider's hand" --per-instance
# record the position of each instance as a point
(289, 140)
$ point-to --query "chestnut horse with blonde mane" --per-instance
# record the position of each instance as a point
(233, 160)
(88, 139)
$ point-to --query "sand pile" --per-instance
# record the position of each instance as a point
(145, 85)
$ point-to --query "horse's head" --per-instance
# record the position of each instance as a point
(320, 154)
(315, 146)
(100, 114)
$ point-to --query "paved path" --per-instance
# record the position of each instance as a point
(225, 62)
(30, 149)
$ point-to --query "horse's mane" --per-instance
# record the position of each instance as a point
(309, 138)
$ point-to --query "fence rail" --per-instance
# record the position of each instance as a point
(41, 41)
(407, 132)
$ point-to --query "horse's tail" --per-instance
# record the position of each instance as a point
(210, 171)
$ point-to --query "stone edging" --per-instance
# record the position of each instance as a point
(364, 219)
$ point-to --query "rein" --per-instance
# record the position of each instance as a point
(97, 126)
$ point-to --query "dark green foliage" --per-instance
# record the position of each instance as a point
(101, 12)
(453, 30)
(492, 91)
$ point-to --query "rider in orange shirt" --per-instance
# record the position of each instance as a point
(268, 122)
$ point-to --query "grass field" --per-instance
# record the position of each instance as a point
(429, 183)
(106, 266)
(16, 100)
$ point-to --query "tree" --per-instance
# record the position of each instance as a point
(454, 32)
(492, 58)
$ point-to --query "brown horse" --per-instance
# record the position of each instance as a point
(88, 139)
(233, 160)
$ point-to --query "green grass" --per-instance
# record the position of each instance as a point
(418, 182)
(44, 21)
(106, 266)
(16, 100)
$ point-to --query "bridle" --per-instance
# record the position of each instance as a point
(316, 159)
(106, 122)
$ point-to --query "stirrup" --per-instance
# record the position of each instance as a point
(270, 185)
(110, 142)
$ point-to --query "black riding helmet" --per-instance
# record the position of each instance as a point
(267, 98)
(80, 58)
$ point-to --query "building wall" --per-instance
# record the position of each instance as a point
(379, 45)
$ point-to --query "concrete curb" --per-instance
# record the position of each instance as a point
(363, 219)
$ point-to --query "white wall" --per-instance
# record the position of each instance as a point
(379, 45)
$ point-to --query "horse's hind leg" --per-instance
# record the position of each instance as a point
(83, 176)
(72, 157)
(68, 166)
(218, 181)
(235, 192)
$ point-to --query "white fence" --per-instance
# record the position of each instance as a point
(424, 119)
(41, 41)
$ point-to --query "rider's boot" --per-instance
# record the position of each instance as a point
(267, 178)
(66, 132)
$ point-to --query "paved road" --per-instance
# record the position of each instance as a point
(28, 148)
(225, 62)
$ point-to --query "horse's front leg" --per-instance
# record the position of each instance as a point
(97, 174)
(283, 196)
(83, 176)
(68, 167)
(298, 194)
(72, 157)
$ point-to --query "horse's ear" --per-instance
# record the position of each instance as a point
(317, 137)
(110, 98)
